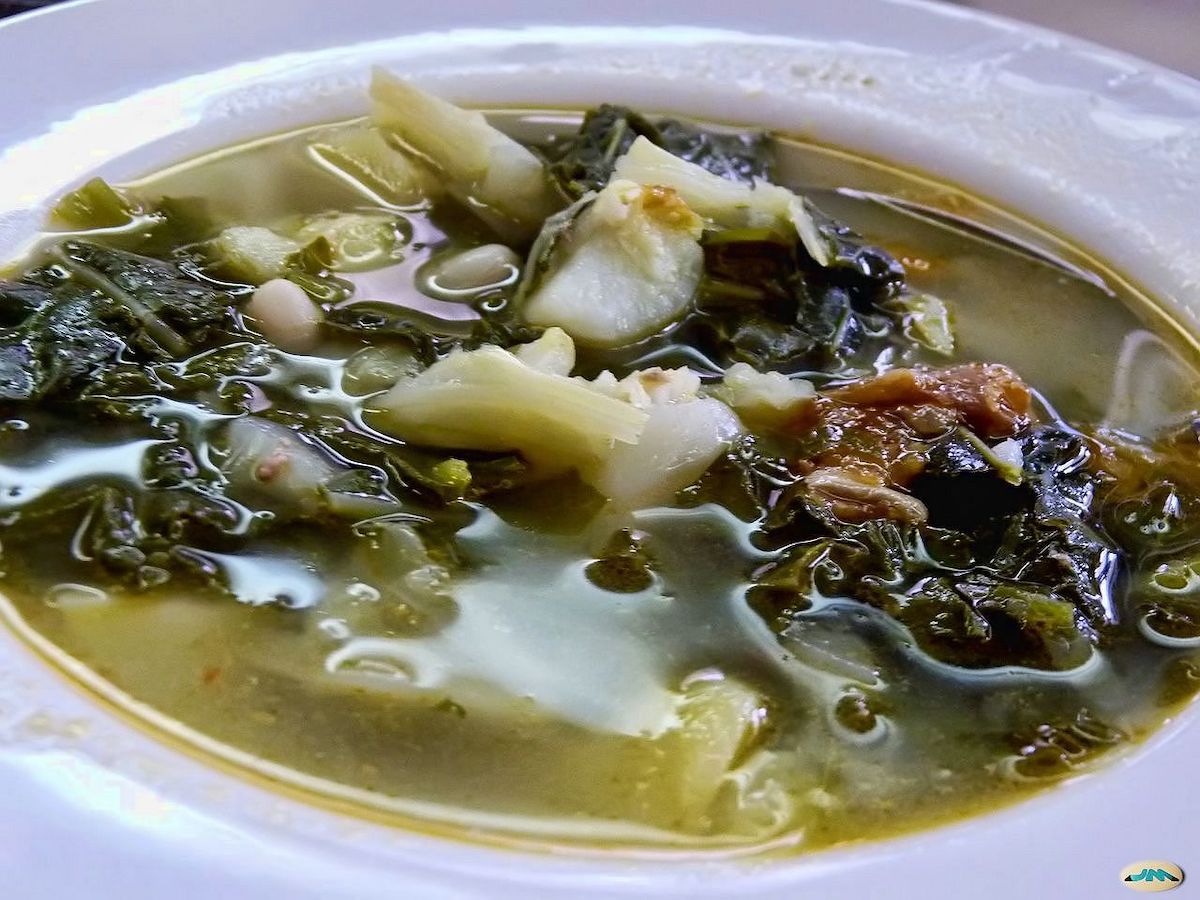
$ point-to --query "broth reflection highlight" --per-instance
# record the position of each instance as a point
(607, 492)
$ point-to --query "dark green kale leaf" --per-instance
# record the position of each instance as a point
(1057, 540)
(145, 540)
(176, 312)
(584, 162)
(380, 321)
(18, 301)
(58, 346)
(765, 302)
(18, 372)
(979, 621)
(555, 230)
(1000, 574)
(870, 274)
(433, 476)
(89, 307)
(739, 156)
(431, 339)
(1045, 531)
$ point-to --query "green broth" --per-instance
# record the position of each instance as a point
(540, 705)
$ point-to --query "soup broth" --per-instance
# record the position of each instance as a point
(528, 656)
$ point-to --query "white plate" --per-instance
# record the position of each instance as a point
(1097, 146)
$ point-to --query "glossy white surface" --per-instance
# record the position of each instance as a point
(1099, 147)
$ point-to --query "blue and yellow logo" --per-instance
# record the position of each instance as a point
(1152, 875)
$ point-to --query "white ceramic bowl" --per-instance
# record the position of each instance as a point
(1099, 147)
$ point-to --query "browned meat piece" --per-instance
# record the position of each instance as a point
(991, 399)
(879, 444)
(863, 444)
(853, 498)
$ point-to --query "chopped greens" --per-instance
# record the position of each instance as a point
(602, 452)
(94, 205)
(585, 161)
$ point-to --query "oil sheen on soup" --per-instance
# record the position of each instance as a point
(604, 479)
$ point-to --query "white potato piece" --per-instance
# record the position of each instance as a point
(731, 204)
(481, 164)
(650, 387)
(488, 399)
(678, 444)
(286, 315)
(626, 266)
(763, 399)
(254, 253)
(719, 719)
(637, 440)
(553, 353)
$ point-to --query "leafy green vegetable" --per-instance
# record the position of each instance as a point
(1057, 540)
(766, 304)
(926, 320)
(173, 312)
(584, 162)
(869, 273)
(554, 233)
(354, 241)
(1044, 531)
(94, 205)
(430, 339)
(982, 622)
(145, 542)
(379, 321)
(1003, 574)
(18, 301)
(739, 156)
(106, 329)
(745, 480)
(54, 349)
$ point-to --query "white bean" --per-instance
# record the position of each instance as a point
(286, 315)
(489, 265)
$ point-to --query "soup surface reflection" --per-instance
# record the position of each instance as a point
(947, 558)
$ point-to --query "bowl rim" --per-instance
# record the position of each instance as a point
(996, 49)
